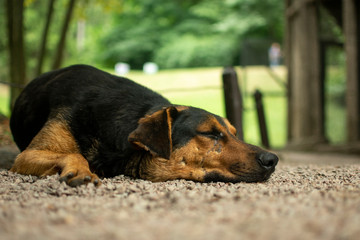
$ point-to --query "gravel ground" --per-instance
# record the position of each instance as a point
(301, 200)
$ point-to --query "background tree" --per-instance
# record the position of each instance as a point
(44, 37)
(61, 45)
(15, 19)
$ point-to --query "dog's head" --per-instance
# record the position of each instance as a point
(191, 143)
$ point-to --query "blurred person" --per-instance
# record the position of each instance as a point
(274, 55)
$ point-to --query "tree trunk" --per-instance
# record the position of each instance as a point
(44, 38)
(16, 47)
(61, 45)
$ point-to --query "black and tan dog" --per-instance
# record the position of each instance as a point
(83, 123)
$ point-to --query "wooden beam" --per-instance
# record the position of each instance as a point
(288, 63)
(351, 22)
(294, 8)
(306, 105)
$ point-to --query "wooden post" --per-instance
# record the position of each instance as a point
(305, 89)
(288, 63)
(351, 22)
(262, 120)
(233, 100)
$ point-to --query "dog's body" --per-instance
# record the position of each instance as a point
(84, 123)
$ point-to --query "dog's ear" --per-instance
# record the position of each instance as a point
(154, 132)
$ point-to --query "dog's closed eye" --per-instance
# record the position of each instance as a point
(213, 134)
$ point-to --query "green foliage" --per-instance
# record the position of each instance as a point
(178, 34)
(192, 51)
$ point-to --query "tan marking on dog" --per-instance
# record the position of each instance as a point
(55, 137)
(210, 124)
(54, 150)
(231, 128)
(181, 108)
(169, 121)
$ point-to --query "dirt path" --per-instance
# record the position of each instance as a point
(300, 201)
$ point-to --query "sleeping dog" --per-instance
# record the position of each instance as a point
(84, 123)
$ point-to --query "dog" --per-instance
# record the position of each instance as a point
(86, 124)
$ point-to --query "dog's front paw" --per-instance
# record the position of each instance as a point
(77, 177)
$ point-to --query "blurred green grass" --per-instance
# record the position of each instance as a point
(4, 103)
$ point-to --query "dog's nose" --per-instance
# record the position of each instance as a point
(267, 160)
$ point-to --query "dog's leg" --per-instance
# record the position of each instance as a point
(54, 150)
(73, 168)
